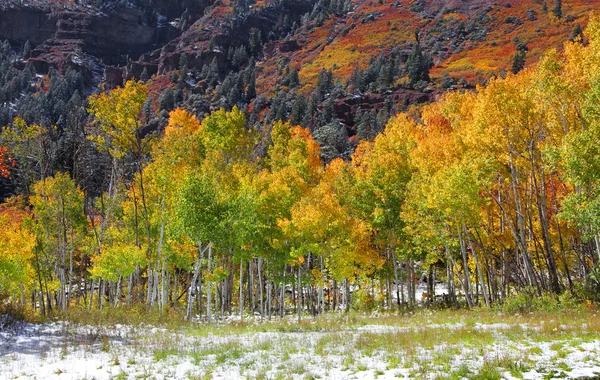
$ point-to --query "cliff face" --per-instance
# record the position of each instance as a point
(27, 23)
(467, 41)
(223, 32)
(81, 38)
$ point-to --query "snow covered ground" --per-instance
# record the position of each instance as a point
(342, 351)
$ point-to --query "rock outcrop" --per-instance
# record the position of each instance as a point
(345, 108)
(83, 39)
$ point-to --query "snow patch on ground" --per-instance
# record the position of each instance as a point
(67, 351)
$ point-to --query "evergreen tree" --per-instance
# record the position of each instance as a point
(519, 58)
(251, 87)
(27, 50)
(299, 108)
(212, 75)
(291, 79)
(324, 83)
(577, 34)
(418, 64)
(366, 124)
(333, 140)
(166, 100)
(183, 66)
(240, 57)
(144, 75)
(557, 10)
(255, 42)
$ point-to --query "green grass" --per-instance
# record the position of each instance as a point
(407, 344)
(535, 351)
(462, 372)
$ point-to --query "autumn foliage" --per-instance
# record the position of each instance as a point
(6, 162)
(490, 192)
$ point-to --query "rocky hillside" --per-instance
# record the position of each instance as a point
(470, 39)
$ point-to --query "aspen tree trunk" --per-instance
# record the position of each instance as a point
(39, 275)
(396, 278)
(334, 297)
(402, 298)
(149, 287)
(231, 288)
(91, 297)
(462, 283)
(260, 285)
(479, 272)
(70, 277)
(522, 241)
(342, 300)
(321, 291)
(193, 284)
(22, 294)
(347, 293)
(223, 296)
(430, 290)
(118, 292)
(542, 213)
(412, 298)
(564, 259)
(241, 290)
(251, 285)
(166, 280)
(388, 293)
(129, 288)
(597, 241)
(155, 284)
(298, 304)
(160, 260)
(282, 302)
(450, 279)
(467, 278)
(209, 287)
(270, 299)
(503, 279)
(409, 283)
(102, 293)
(175, 286)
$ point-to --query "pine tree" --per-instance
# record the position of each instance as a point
(144, 75)
(255, 42)
(166, 101)
(324, 83)
(577, 35)
(212, 76)
(251, 88)
(519, 58)
(417, 64)
(292, 79)
(299, 108)
(27, 50)
(557, 10)
(183, 66)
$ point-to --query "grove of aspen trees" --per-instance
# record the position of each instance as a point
(485, 193)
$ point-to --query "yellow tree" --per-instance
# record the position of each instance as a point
(58, 211)
(322, 227)
(293, 166)
(17, 245)
(382, 171)
(118, 116)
